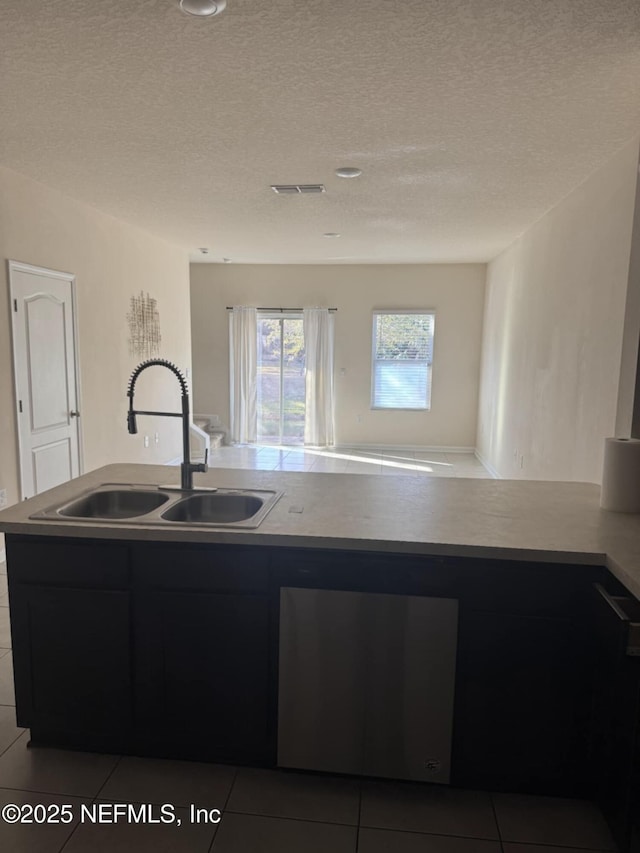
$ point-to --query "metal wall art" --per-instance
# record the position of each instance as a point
(144, 326)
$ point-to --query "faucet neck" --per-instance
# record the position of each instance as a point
(161, 362)
(185, 469)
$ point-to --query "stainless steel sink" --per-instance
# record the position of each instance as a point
(166, 506)
(114, 504)
(215, 508)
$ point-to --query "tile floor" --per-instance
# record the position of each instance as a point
(348, 461)
(263, 811)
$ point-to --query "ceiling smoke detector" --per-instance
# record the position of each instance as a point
(203, 8)
(348, 172)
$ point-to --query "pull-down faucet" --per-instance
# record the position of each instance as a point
(187, 469)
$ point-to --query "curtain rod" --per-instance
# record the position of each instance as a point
(295, 310)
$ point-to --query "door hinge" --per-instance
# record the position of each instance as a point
(20, 406)
(15, 305)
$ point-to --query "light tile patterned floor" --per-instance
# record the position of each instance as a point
(355, 460)
(265, 811)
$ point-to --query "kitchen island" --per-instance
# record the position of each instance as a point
(164, 640)
(499, 519)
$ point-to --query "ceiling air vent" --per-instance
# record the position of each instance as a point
(293, 189)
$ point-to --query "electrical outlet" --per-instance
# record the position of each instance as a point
(521, 462)
(3, 497)
(146, 441)
(156, 438)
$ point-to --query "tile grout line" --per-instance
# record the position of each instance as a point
(2, 752)
(109, 775)
(294, 819)
(359, 815)
(495, 817)
(435, 834)
(224, 809)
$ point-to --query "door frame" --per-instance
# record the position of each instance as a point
(20, 266)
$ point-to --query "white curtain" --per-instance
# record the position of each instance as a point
(318, 343)
(243, 374)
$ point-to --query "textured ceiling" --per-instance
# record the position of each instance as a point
(470, 118)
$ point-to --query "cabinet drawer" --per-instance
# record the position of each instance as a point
(63, 562)
(528, 588)
(201, 567)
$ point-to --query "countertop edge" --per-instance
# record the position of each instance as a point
(474, 518)
(201, 536)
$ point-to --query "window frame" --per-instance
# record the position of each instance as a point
(400, 311)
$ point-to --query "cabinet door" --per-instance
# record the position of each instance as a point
(615, 758)
(202, 663)
(72, 664)
(522, 704)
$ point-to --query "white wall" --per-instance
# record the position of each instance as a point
(455, 291)
(112, 261)
(553, 332)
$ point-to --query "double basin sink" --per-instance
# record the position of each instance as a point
(166, 506)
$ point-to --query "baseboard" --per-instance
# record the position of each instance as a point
(487, 465)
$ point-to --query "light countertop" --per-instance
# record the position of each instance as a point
(501, 519)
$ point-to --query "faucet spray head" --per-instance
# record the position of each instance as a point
(132, 425)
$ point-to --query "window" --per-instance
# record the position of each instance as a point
(281, 380)
(402, 355)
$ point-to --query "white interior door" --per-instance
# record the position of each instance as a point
(42, 303)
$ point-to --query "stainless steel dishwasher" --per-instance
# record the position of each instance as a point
(366, 683)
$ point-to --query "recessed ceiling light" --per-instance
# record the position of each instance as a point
(348, 172)
(203, 8)
(226, 260)
(331, 234)
(203, 250)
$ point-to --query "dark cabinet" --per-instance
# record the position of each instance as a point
(171, 650)
(615, 758)
(71, 644)
(523, 690)
(203, 665)
(202, 654)
(157, 650)
(522, 704)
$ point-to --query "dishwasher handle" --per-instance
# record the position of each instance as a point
(624, 612)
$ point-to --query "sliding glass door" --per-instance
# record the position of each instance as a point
(281, 391)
